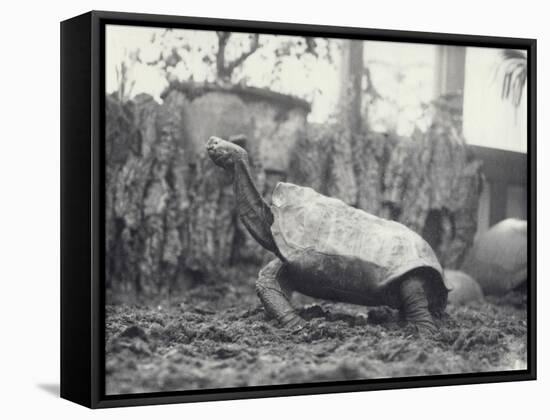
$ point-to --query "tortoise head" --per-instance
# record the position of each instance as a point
(225, 153)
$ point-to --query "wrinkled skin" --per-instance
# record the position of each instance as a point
(303, 272)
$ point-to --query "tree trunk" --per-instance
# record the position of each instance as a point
(145, 196)
(351, 76)
(209, 227)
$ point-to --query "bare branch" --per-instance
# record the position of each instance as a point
(225, 70)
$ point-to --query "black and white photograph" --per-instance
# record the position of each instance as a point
(292, 209)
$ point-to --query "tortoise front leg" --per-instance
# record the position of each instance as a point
(414, 305)
(274, 294)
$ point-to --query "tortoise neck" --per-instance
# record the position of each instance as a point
(253, 210)
(248, 196)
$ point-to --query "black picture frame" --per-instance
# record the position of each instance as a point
(82, 208)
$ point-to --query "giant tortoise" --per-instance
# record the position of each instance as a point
(329, 250)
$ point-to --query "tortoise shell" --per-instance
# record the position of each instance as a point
(498, 258)
(464, 289)
(307, 220)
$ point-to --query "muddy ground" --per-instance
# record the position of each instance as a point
(218, 335)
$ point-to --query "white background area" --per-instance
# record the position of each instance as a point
(29, 176)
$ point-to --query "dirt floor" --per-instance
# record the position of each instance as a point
(218, 336)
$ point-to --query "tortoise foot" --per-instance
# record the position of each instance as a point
(291, 321)
(422, 329)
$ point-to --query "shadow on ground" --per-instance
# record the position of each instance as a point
(52, 389)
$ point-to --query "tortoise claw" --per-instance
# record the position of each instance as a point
(291, 321)
(423, 329)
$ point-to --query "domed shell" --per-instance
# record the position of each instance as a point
(464, 289)
(498, 258)
(305, 219)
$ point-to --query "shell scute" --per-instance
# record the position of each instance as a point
(305, 219)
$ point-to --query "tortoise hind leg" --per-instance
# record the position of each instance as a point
(414, 305)
(274, 294)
